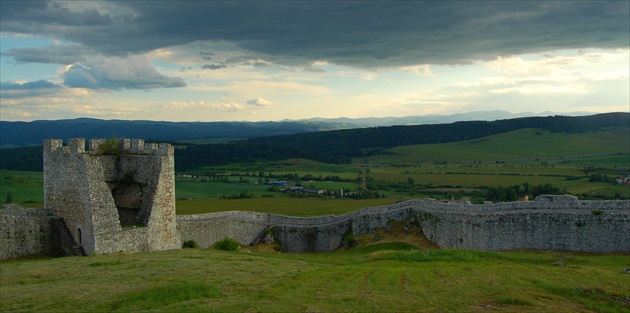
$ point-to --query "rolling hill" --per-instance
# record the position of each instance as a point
(540, 136)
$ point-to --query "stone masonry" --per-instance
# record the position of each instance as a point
(112, 203)
(560, 223)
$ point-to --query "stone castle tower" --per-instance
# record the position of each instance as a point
(118, 196)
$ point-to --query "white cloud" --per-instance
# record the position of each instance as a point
(222, 106)
(259, 102)
(537, 89)
(116, 73)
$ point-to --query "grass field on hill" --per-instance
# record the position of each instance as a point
(525, 145)
(23, 187)
(391, 277)
(301, 207)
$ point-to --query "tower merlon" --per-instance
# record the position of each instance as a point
(75, 145)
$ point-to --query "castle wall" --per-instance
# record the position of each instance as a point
(532, 229)
(568, 225)
(25, 231)
(206, 229)
(562, 223)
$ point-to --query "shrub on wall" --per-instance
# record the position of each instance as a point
(227, 244)
(110, 147)
(349, 241)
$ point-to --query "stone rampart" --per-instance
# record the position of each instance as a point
(206, 229)
(549, 223)
(588, 226)
(574, 230)
(25, 231)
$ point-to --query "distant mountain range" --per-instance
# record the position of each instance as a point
(348, 123)
(17, 134)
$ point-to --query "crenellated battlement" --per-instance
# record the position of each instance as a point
(124, 145)
(75, 145)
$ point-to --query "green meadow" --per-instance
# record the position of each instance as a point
(22, 187)
(399, 273)
(301, 207)
(449, 170)
(384, 277)
(524, 145)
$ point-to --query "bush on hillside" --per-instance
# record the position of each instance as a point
(227, 244)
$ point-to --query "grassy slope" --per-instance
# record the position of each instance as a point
(23, 186)
(523, 144)
(302, 207)
(381, 278)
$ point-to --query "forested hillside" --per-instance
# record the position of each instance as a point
(342, 145)
(20, 134)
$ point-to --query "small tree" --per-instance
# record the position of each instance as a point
(9, 198)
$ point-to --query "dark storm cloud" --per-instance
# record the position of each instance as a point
(364, 34)
(12, 90)
(213, 66)
(45, 14)
(50, 55)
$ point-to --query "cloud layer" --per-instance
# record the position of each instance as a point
(361, 34)
(115, 73)
(272, 60)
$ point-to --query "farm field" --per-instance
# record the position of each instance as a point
(385, 277)
(446, 171)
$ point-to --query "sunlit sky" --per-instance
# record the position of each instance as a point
(255, 61)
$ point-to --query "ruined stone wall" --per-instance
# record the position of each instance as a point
(549, 223)
(206, 229)
(528, 229)
(25, 231)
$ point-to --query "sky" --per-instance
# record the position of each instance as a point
(276, 60)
